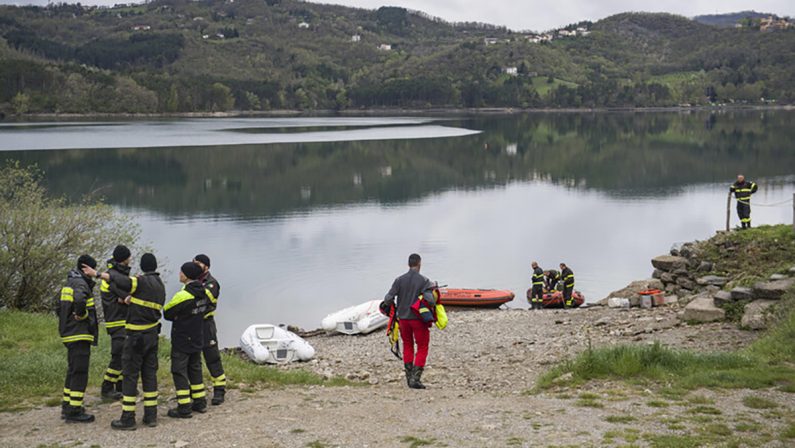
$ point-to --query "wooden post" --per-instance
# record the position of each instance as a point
(729, 210)
(793, 212)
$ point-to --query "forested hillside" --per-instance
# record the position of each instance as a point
(215, 55)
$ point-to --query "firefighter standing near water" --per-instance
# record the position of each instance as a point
(115, 312)
(567, 276)
(77, 325)
(743, 190)
(212, 355)
(537, 289)
(407, 289)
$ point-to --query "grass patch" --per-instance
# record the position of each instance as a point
(755, 402)
(620, 419)
(34, 364)
(705, 410)
(788, 432)
(415, 442)
(588, 404)
(748, 427)
(657, 404)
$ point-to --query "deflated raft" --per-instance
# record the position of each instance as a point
(484, 298)
(265, 343)
(363, 318)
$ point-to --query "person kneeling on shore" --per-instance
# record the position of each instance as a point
(407, 289)
(186, 309)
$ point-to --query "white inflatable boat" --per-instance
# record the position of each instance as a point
(363, 318)
(265, 343)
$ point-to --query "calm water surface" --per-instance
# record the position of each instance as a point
(302, 217)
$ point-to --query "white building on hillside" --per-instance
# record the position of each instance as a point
(356, 38)
(385, 47)
(513, 71)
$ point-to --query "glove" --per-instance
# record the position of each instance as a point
(385, 307)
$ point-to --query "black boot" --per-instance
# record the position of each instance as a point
(150, 416)
(181, 411)
(199, 405)
(219, 392)
(118, 387)
(77, 414)
(409, 372)
(125, 423)
(416, 377)
(64, 409)
(108, 391)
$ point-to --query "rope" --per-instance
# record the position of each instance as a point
(775, 204)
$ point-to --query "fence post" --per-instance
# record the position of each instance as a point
(793, 212)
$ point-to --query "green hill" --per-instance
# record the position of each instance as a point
(213, 55)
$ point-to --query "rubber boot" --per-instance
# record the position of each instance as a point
(77, 414)
(219, 393)
(150, 416)
(181, 411)
(416, 377)
(108, 391)
(409, 372)
(199, 405)
(64, 409)
(125, 423)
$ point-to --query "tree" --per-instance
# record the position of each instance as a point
(221, 98)
(41, 237)
(20, 103)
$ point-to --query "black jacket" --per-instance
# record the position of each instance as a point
(118, 287)
(186, 309)
(552, 279)
(146, 304)
(211, 285)
(538, 278)
(743, 191)
(407, 288)
(77, 316)
(568, 278)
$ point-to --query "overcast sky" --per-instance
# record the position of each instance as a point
(540, 15)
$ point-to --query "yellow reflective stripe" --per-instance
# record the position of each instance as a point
(211, 296)
(137, 327)
(146, 303)
(134, 281)
(183, 392)
(67, 294)
(538, 283)
(77, 394)
(109, 378)
(196, 386)
(128, 407)
(115, 323)
(183, 400)
(150, 402)
(150, 394)
(90, 302)
(113, 371)
(210, 314)
(104, 286)
(178, 298)
(76, 403)
(201, 394)
(78, 337)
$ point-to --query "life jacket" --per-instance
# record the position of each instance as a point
(429, 310)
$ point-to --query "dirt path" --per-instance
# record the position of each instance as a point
(479, 369)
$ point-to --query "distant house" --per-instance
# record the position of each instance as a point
(512, 71)
(205, 36)
(385, 47)
(490, 40)
(773, 23)
(220, 35)
(534, 39)
(356, 38)
(141, 28)
(303, 25)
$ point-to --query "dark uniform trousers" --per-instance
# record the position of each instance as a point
(114, 371)
(140, 358)
(212, 355)
(186, 368)
(537, 294)
(78, 357)
(567, 293)
(744, 212)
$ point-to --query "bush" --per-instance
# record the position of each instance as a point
(41, 237)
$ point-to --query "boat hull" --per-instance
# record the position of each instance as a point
(480, 298)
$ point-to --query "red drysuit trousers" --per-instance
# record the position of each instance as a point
(415, 331)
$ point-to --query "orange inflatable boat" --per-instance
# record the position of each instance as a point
(485, 298)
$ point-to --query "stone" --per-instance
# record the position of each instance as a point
(756, 316)
(772, 290)
(686, 283)
(722, 298)
(180, 444)
(682, 272)
(669, 263)
(656, 274)
(702, 309)
(705, 266)
(670, 300)
(667, 278)
(674, 252)
(742, 293)
(686, 250)
(775, 277)
(671, 288)
(715, 280)
(693, 263)
(637, 286)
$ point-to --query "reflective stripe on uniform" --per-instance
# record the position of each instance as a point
(90, 302)
(210, 296)
(183, 396)
(128, 403)
(134, 281)
(78, 337)
(115, 323)
(67, 294)
(210, 314)
(150, 398)
(181, 296)
(104, 286)
(219, 380)
(113, 371)
(146, 304)
(136, 327)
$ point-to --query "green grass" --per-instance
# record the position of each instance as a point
(755, 402)
(416, 442)
(620, 419)
(789, 432)
(34, 364)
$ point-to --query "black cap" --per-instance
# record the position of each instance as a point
(87, 260)
(203, 259)
(191, 270)
(148, 262)
(121, 253)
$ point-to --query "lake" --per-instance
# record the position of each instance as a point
(304, 216)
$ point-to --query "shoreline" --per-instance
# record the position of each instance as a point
(381, 112)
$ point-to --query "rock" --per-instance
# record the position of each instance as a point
(681, 272)
(772, 290)
(756, 316)
(670, 300)
(656, 274)
(686, 283)
(180, 444)
(671, 288)
(715, 280)
(693, 263)
(775, 277)
(686, 250)
(705, 266)
(702, 309)
(742, 293)
(669, 263)
(722, 298)
(674, 252)
(602, 322)
(667, 278)
(635, 287)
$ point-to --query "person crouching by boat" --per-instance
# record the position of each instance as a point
(407, 289)
(551, 279)
(186, 309)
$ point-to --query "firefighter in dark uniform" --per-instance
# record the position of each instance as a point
(567, 276)
(186, 310)
(115, 312)
(139, 357)
(77, 325)
(551, 279)
(212, 355)
(743, 190)
(537, 291)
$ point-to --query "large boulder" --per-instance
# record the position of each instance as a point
(775, 277)
(705, 266)
(669, 263)
(742, 293)
(722, 298)
(772, 290)
(635, 287)
(703, 309)
(714, 280)
(686, 283)
(656, 274)
(667, 278)
(756, 316)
